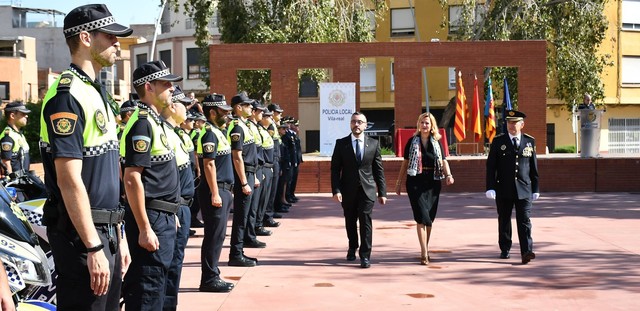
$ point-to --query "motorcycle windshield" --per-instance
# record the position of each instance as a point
(13, 222)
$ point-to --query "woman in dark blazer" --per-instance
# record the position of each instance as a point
(424, 166)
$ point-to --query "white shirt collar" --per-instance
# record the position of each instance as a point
(354, 138)
(518, 137)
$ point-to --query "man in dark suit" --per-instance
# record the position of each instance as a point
(356, 172)
(512, 180)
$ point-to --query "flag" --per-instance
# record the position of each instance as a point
(490, 114)
(506, 105)
(475, 121)
(461, 109)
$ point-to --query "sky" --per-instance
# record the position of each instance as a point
(126, 12)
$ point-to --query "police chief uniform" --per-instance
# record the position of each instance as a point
(14, 144)
(145, 145)
(183, 149)
(214, 158)
(512, 179)
(242, 141)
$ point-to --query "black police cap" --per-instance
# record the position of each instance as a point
(241, 98)
(16, 106)
(92, 17)
(129, 105)
(179, 96)
(275, 107)
(514, 115)
(216, 100)
(153, 71)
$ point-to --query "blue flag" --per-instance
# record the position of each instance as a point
(489, 99)
(506, 105)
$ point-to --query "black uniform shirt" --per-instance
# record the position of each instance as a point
(222, 159)
(238, 142)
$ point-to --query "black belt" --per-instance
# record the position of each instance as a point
(103, 216)
(268, 165)
(425, 168)
(225, 186)
(186, 202)
(163, 206)
(249, 169)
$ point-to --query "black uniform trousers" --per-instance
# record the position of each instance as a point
(274, 189)
(250, 232)
(146, 279)
(70, 259)
(523, 211)
(359, 209)
(241, 206)
(265, 194)
(175, 270)
(293, 182)
(215, 229)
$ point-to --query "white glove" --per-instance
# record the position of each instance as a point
(535, 196)
(491, 194)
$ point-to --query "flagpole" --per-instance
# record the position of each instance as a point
(424, 70)
(155, 33)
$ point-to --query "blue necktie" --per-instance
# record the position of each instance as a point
(358, 152)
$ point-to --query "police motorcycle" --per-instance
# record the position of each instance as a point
(30, 194)
(27, 266)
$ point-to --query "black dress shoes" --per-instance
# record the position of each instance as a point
(192, 232)
(276, 215)
(261, 231)
(351, 255)
(255, 244)
(250, 258)
(218, 286)
(365, 263)
(528, 257)
(241, 262)
(271, 223)
(196, 223)
(504, 255)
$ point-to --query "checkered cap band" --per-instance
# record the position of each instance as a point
(93, 25)
(154, 76)
(214, 104)
(178, 97)
(125, 109)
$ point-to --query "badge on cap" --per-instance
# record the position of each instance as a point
(101, 122)
(141, 143)
(208, 147)
(7, 146)
(64, 123)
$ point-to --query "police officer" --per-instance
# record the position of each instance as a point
(214, 156)
(245, 160)
(126, 110)
(277, 141)
(79, 151)
(152, 187)
(512, 180)
(294, 128)
(250, 237)
(287, 163)
(183, 149)
(198, 123)
(15, 149)
(267, 171)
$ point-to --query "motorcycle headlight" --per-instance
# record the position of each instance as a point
(31, 272)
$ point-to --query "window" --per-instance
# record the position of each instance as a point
(368, 77)
(165, 56)
(371, 15)
(624, 135)
(402, 23)
(454, 16)
(141, 59)
(630, 16)
(630, 69)
(452, 78)
(4, 91)
(195, 70)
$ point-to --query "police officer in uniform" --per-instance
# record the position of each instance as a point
(512, 180)
(198, 123)
(126, 110)
(287, 163)
(15, 149)
(267, 171)
(152, 186)
(245, 160)
(183, 149)
(294, 127)
(277, 141)
(79, 151)
(250, 237)
(214, 156)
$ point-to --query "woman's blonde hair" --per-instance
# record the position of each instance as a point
(434, 125)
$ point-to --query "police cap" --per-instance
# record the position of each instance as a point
(216, 100)
(241, 98)
(179, 96)
(153, 71)
(129, 105)
(275, 107)
(16, 106)
(514, 115)
(92, 17)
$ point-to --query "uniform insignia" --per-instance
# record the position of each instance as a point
(235, 137)
(163, 139)
(65, 82)
(184, 148)
(143, 113)
(64, 123)
(7, 131)
(141, 143)
(6, 146)
(208, 147)
(503, 147)
(208, 127)
(101, 122)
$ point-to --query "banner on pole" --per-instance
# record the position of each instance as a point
(337, 104)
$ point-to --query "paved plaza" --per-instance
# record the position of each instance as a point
(588, 258)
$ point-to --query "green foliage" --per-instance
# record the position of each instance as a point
(386, 151)
(565, 149)
(31, 131)
(283, 21)
(574, 30)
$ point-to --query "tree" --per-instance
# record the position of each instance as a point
(574, 30)
(280, 21)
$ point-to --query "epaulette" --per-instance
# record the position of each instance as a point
(64, 84)
(143, 113)
(7, 131)
(528, 135)
(501, 134)
(208, 127)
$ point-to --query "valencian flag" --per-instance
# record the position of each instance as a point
(475, 121)
(461, 109)
(506, 105)
(490, 114)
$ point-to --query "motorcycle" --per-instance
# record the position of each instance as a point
(27, 266)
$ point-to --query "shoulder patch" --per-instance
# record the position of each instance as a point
(528, 135)
(6, 146)
(235, 137)
(65, 82)
(141, 143)
(64, 123)
(208, 147)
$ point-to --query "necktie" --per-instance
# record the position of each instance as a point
(515, 143)
(358, 152)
